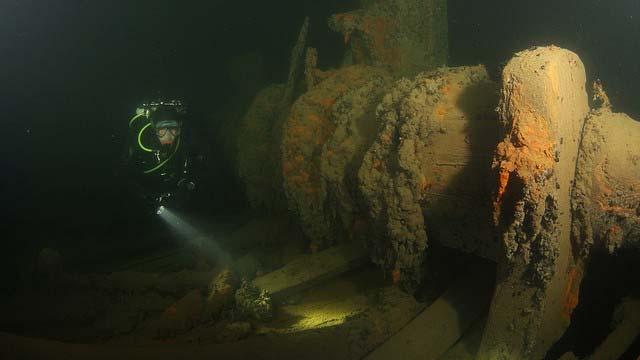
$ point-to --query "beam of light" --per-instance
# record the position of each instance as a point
(194, 237)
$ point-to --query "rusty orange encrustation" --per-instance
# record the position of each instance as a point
(526, 153)
(572, 292)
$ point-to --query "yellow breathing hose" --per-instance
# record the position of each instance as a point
(166, 160)
(150, 150)
(140, 138)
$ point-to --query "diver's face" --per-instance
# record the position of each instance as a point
(167, 135)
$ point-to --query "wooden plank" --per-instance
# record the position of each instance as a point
(443, 323)
(308, 270)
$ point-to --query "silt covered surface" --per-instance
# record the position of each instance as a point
(433, 129)
(543, 107)
(606, 200)
(403, 36)
(324, 131)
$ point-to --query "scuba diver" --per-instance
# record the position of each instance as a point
(159, 158)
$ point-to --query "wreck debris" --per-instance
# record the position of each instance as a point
(295, 65)
(310, 269)
(435, 131)
(355, 126)
(308, 143)
(542, 110)
(404, 36)
(313, 75)
(401, 165)
(421, 165)
(328, 170)
(380, 312)
(444, 322)
(310, 67)
(220, 294)
(253, 302)
(600, 99)
(606, 198)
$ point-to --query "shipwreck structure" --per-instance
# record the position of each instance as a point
(397, 152)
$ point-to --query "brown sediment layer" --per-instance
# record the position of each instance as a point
(315, 147)
(435, 132)
(542, 109)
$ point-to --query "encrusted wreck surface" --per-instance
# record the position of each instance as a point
(429, 165)
(327, 130)
(606, 201)
(543, 107)
(405, 36)
(404, 164)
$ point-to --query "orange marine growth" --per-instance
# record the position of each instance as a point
(377, 30)
(395, 276)
(572, 292)
(526, 152)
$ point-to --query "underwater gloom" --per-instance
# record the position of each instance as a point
(339, 179)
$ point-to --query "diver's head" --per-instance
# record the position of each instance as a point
(167, 123)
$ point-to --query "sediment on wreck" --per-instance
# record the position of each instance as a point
(404, 36)
(542, 110)
(403, 164)
(606, 198)
(283, 169)
(605, 230)
(438, 129)
(426, 172)
(327, 130)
